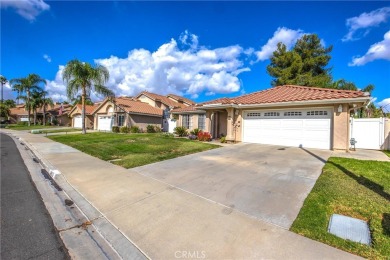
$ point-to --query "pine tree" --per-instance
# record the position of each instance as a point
(305, 65)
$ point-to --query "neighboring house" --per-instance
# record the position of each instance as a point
(126, 111)
(285, 115)
(19, 114)
(59, 113)
(166, 103)
(75, 115)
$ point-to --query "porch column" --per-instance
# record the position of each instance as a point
(230, 124)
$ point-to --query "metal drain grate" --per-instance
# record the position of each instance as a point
(350, 228)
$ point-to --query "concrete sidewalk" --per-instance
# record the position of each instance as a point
(163, 222)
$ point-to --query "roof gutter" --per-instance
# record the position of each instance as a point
(190, 112)
(292, 103)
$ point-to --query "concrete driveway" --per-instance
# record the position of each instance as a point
(266, 182)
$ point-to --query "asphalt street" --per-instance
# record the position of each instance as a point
(27, 231)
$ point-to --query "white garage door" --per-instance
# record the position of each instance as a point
(105, 123)
(308, 128)
(77, 122)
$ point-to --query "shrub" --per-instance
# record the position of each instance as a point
(195, 131)
(192, 137)
(180, 131)
(125, 129)
(150, 129)
(115, 129)
(22, 123)
(223, 139)
(167, 135)
(157, 129)
(134, 129)
(204, 136)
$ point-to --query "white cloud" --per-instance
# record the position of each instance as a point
(364, 22)
(7, 91)
(379, 50)
(28, 9)
(287, 36)
(170, 69)
(385, 105)
(47, 58)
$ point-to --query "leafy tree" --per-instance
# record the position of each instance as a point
(27, 85)
(78, 100)
(82, 76)
(3, 81)
(4, 110)
(305, 65)
(10, 103)
(46, 101)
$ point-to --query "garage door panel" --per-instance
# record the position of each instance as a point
(105, 123)
(77, 122)
(292, 123)
(305, 130)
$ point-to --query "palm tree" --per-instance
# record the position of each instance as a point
(82, 76)
(30, 83)
(46, 101)
(3, 80)
(35, 103)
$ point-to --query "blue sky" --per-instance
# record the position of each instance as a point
(202, 50)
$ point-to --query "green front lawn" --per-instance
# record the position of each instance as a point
(354, 188)
(132, 150)
(387, 152)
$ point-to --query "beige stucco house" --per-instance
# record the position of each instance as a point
(75, 115)
(125, 111)
(166, 103)
(284, 115)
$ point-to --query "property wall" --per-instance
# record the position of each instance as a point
(142, 121)
(386, 143)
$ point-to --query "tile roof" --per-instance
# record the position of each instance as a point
(163, 99)
(135, 106)
(186, 100)
(18, 111)
(88, 108)
(288, 93)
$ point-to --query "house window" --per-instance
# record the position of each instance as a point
(202, 122)
(292, 113)
(121, 120)
(187, 121)
(253, 114)
(317, 113)
(271, 114)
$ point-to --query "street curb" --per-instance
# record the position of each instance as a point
(111, 241)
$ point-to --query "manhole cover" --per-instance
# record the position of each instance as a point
(349, 228)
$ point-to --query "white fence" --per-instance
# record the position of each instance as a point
(370, 133)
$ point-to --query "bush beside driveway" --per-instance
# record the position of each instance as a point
(131, 150)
